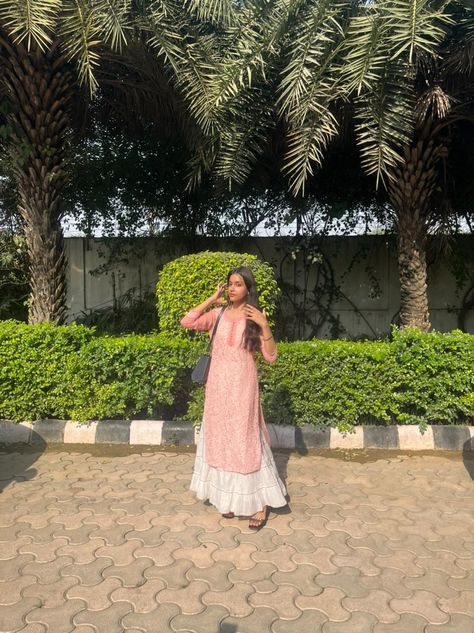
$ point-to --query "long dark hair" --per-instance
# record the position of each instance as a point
(252, 332)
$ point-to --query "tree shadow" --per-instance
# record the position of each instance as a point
(227, 627)
(16, 460)
(468, 456)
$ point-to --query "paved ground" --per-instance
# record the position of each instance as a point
(371, 543)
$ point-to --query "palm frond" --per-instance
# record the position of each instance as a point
(365, 57)
(113, 16)
(309, 74)
(306, 146)
(82, 36)
(385, 121)
(28, 21)
(414, 25)
(242, 141)
(217, 12)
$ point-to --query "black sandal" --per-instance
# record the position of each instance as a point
(258, 524)
(228, 515)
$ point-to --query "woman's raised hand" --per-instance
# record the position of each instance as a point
(254, 314)
(218, 296)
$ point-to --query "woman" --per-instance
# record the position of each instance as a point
(234, 465)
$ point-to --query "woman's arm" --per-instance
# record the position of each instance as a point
(268, 345)
(198, 318)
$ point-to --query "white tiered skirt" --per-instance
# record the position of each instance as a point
(242, 494)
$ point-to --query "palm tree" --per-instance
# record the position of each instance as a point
(403, 66)
(50, 59)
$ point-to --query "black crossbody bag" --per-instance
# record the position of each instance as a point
(201, 370)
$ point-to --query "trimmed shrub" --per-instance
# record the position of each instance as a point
(33, 365)
(69, 372)
(187, 281)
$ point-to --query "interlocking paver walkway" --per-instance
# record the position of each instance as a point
(108, 542)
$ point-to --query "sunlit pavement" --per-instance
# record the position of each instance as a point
(107, 540)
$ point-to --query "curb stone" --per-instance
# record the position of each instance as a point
(162, 432)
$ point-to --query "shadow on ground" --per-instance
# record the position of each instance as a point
(468, 457)
(16, 461)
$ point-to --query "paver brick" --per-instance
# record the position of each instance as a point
(44, 552)
(96, 597)
(462, 584)
(263, 539)
(358, 623)
(76, 536)
(109, 620)
(451, 544)
(225, 538)
(90, 573)
(12, 616)
(120, 554)
(132, 575)
(363, 559)
(321, 558)
(240, 557)
(423, 603)
(376, 603)
(11, 568)
(205, 622)
(252, 575)
(282, 601)
(57, 619)
(11, 590)
(408, 623)
(111, 532)
(200, 556)
(308, 622)
(216, 575)
(188, 599)
(261, 619)
(434, 581)
(376, 542)
(157, 621)
(347, 579)
(161, 555)
(35, 627)
(84, 553)
(149, 537)
(140, 522)
(404, 561)
(281, 557)
(302, 578)
(412, 543)
(189, 537)
(235, 599)
(13, 547)
(71, 521)
(52, 594)
(329, 602)
(445, 562)
(462, 603)
(457, 624)
(174, 576)
(142, 599)
(300, 540)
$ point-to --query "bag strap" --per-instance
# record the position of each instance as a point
(209, 347)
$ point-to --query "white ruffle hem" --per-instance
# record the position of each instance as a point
(242, 494)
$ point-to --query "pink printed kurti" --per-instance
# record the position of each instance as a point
(233, 420)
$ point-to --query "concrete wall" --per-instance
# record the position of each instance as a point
(363, 268)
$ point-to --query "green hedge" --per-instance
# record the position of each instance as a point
(69, 372)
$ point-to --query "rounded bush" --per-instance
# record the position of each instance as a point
(187, 281)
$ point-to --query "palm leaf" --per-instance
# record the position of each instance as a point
(28, 21)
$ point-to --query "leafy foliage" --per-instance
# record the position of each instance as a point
(187, 281)
(70, 372)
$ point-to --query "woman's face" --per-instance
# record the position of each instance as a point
(236, 289)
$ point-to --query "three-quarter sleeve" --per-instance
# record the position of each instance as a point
(270, 358)
(196, 320)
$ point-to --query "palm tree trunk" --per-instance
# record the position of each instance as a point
(38, 88)
(410, 192)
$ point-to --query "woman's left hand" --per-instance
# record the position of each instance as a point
(255, 315)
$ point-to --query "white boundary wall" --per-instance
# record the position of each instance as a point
(139, 268)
